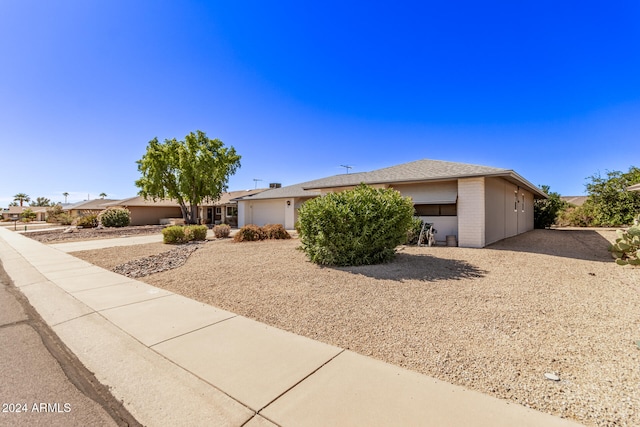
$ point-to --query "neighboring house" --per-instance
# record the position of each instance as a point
(575, 200)
(225, 209)
(149, 212)
(13, 213)
(477, 204)
(635, 187)
(88, 207)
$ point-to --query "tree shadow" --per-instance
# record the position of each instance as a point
(421, 267)
(587, 244)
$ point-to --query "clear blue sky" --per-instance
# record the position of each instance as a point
(550, 89)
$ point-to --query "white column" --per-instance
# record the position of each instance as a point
(471, 212)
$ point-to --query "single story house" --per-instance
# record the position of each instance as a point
(147, 211)
(477, 204)
(225, 209)
(14, 213)
(87, 207)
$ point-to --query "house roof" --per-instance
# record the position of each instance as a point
(231, 196)
(635, 187)
(287, 192)
(575, 200)
(94, 204)
(424, 170)
(141, 201)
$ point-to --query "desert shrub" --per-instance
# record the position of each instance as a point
(275, 231)
(28, 215)
(221, 231)
(195, 232)
(87, 221)
(249, 233)
(626, 249)
(115, 217)
(414, 231)
(545, 211)
(174, 234)
(355, 227)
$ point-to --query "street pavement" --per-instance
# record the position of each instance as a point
(35, 389)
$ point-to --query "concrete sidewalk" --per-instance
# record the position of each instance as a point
(174, 361)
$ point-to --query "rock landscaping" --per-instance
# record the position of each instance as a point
(69, 234)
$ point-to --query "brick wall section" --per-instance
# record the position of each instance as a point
(471, 212)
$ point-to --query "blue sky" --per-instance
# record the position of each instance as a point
(549, 89)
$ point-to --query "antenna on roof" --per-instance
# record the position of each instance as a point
(256, 181)
(347, 167)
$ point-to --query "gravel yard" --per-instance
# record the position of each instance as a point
(494, 320)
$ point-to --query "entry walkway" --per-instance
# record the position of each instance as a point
(174, 361)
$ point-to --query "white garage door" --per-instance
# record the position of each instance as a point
(267, 212)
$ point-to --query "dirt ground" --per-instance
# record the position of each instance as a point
(494, 320)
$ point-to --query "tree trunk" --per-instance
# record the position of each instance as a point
(194, 214)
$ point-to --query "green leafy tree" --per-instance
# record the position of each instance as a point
(188, 171)
(355, 227)
(21, 198)
(103, 195)
(65, 194)
(545, 211)
(42, 201)
(609, 203)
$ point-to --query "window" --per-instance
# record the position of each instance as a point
(218, 210)
(449, 209)
(232, 211)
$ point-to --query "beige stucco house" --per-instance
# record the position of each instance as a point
(148, 211)
(477, 204)
(14, 213)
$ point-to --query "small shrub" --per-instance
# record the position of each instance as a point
(249, 233)
(414, 232)
(221, 231)
(115, 217)
(195, 232)
(87, 221)
(173, 235)
(28, 215)
(626, 249)
(275, 231)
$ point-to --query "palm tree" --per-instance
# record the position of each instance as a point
(103, 195)
(65, 194)
(21, 197)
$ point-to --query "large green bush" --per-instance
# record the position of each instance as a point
(354, 227)
(115, 217)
